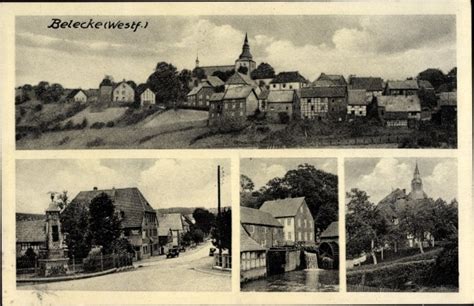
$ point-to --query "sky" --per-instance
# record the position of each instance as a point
(379, 176)
(261, 170)
(393, 47)
(163, 182)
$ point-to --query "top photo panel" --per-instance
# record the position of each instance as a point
(253, 82)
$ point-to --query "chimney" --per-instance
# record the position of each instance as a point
(95, 188)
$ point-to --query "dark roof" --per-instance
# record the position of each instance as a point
(172, 221)
(331, 231)
(247, 244)
(335, 79)
(257, 217)
(31, 231)
(129, 200)
(425, 84)
(357, 97)
(406, 84)
(288, 77)
(448, 98)
(329, 92)
(283, 207)
(198, 88)
(240, 79)
(214, 81)
(281, 96)
(399, 103)
(209, 70)
(74, 92)
(239, 92)
(106, 82)
(367, 83)
(141, 88)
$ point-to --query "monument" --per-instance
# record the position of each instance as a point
(54, 262)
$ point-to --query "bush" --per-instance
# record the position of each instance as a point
(38, 107)
(96, 142)
(110, 124)
(229, 124)
(69, 125)
(446, 269)
(97, 125)
(64, 141)
(84, 123)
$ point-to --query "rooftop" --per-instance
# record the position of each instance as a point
(280, 96)
(399, 103)
(283, 207)
(247, 244)
(31, 231)
(288, 77)
(323, 92)
(257, 217)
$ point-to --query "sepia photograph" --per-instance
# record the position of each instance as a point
(289, 236)
(123, 225)
(235, 81)
(402, 225)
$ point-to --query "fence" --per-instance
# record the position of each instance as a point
(223, 261)
(99, 262)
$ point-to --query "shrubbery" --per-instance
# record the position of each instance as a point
(97, 125)
(96, 142)
(446, 269)
(229, 124)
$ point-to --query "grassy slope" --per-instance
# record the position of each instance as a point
(109, 114)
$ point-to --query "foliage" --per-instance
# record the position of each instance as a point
(165, 84)
(435, 76)
(110, 124)
(365, 226)
(204, 220)
(222, 231)
(229, 124)
(246, 184)
(197, 235)
(243, 70)
(184, 77)
(318, 187)
(97, 125)
(104, 224)
(446, 268)
(75, 222)
(48, 93)
(224, 75)
(263, 71)
(199, 73)
(283, 117)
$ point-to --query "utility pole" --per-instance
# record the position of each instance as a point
(219, 222)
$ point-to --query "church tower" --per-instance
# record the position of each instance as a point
(245, 59)
(417, 192)
(197, 61)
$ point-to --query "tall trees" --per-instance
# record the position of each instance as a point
(365, 226)
(75, 223)
(104, 224)
(224, 75)
(222, 231)
(263, 71)
(165, 83)
(204, 220)
(435, 76)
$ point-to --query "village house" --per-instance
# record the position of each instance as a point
(234, 102)
(447, 105)
(200, 95)
(327, 80)
(138, 219)
(174, 223)
(262, 227)
(426, 86)
(357, 103)
(280, 102)
(288, 80)
(402, 88)
(123, 93)
(165, 240)
(145, 95)
(30, 234)
(373, 86)
(77, 96)
(399, 111)
(294, 215)
(253, 258)
(323, 103)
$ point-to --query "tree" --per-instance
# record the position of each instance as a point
(185, 78)
(104, 224)
(222, 231)
(204, 220)
(435, 76)
(246, 184)
(243, 70)
(224, 75)
(165, 83)
(197, 235)
(75, 224)
(199, 73)
(263, 71)
(40, 89)
(365, 226)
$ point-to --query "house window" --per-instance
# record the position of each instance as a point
(299, 236)
(289, 236)
(288, 221)
(284, 85)
(274, 86)
(304, 223)
(312, 107)
(299, 222)
(304, 236)
(241, 113)
(291, 86)
(311, 236)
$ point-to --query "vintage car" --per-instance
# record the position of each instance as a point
(173, 252)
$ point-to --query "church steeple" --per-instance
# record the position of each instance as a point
(417, 185)
(246, 49)
(197, 60)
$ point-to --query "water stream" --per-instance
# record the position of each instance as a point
(311, 261)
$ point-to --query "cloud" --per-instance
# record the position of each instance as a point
(439, 178)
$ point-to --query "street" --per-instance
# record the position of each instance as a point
(174, 274)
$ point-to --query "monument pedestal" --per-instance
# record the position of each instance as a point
(53, 267)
